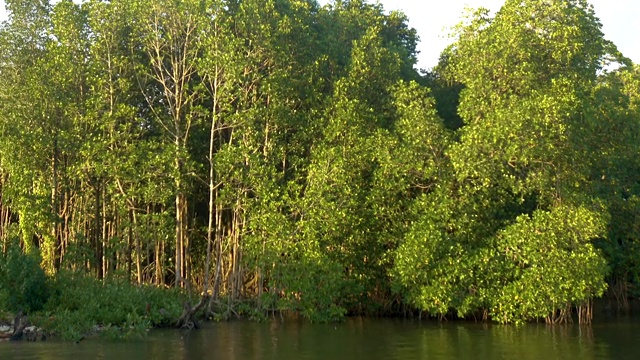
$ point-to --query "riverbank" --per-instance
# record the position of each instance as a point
(29, 333)
(76, 305)
(84, 323)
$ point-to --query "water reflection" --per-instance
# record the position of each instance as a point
(357, 338)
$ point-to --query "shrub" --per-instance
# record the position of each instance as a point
(23, 283)
(80, 302)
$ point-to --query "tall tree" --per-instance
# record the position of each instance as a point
(27, 108)
(170, 39)
(527, 75)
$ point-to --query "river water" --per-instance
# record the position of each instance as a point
(355, 338)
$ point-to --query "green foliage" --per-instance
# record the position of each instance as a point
(550, 263)
(510, 230)
(79, 303)
(330, 177)
(613, 150)
(312, 286)
(23, 284)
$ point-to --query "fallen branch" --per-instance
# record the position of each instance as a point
(187, 320)
(19, 324)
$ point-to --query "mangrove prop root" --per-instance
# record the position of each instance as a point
(187, 320)
(19, 324)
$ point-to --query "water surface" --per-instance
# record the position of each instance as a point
(356, 338)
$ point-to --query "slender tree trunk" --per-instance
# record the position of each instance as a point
(218, 243)
(186, 259)
(103, 248)
(129, 245)
(4, 218)
(159, 255)
(51, 247)
(182, 241)
(148, 270)
(96, 231)
(236, 281)
(179, 238)
(3, 225)
(138, 249)
(99, 231)
(210, 225)
(65, 212)
(212, 180)
(158, 267)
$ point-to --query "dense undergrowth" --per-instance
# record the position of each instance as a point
(72, 305)
(78, 303)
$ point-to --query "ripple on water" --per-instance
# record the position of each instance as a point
(355, 338)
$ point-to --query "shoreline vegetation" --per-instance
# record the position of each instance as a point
(165, 161)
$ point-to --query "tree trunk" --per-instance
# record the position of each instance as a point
(218, 243)
(103, 260)
(129, 245)
(138, 249)
(98, 237)
(19, 324)
(180, 237)
(212, 180)
(187, 320)
(159, 258)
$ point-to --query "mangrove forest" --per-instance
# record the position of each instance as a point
(259, 157)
